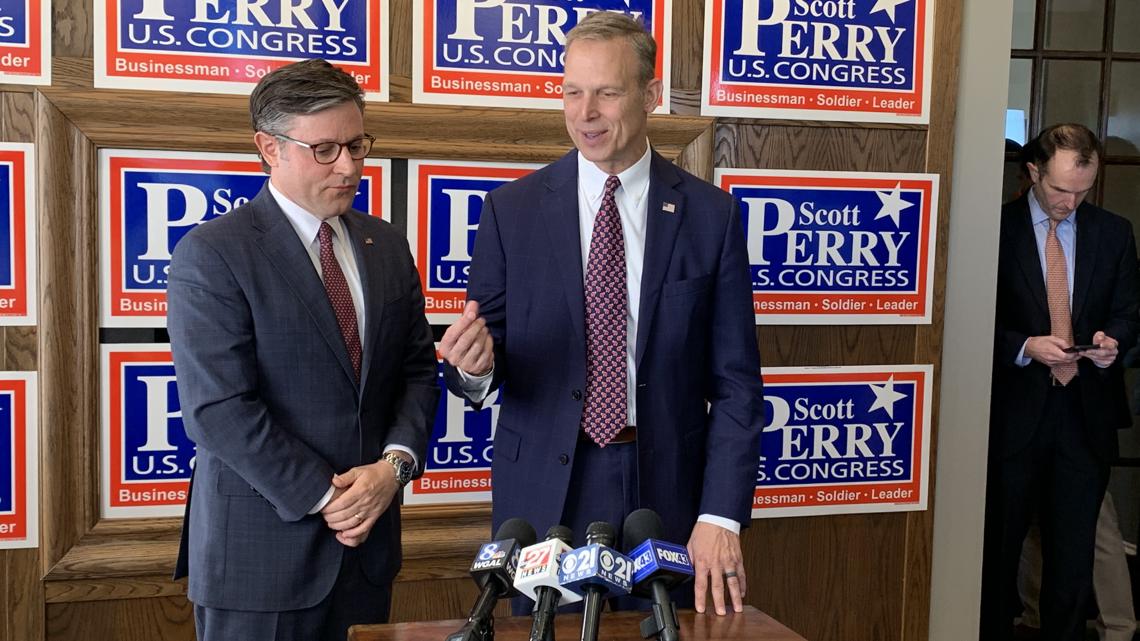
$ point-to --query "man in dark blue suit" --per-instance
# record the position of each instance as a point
(307, 378)
(610, 294)
(1067, 299)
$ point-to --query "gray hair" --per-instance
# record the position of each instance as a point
(297, 89)
(611, 25)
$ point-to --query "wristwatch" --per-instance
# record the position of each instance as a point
(404, 469)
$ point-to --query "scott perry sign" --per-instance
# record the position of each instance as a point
(838, 247)
(863, 60)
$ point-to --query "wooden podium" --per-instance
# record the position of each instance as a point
(750, 625)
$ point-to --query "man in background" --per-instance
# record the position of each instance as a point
(1067, 298)
(610, 293)
(307, 378)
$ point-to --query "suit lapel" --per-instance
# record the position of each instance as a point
(371, 285)
(1088, 231)
(1028, 258)
(662, 224)
(560, 207)
(284, 250)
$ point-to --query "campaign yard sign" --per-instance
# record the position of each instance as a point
(843, 440)
(444, 202)
(17, 234)
(226, 47)
(146, 456)
(834, 248)
(458, 465)
(149, 200)
(510, 54)
(25, 42)
(19, 461)
(856, 60)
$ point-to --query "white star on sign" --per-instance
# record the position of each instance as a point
(886, 397)
(893, 203)
(888, 6)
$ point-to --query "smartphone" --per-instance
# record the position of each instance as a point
(1079, 348)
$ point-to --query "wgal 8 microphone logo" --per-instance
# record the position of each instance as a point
(458, 465)
(150, 200)
(147, 457)
(444, 203)
(511, 54)
(866, 60)
(840, 440)
(838, 248)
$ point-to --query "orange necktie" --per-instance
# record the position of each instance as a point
(1057, 290)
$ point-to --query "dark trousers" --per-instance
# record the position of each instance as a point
(353, 600)
(603, 487)
(1058, 479)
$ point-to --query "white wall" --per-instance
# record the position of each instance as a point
(959, 495)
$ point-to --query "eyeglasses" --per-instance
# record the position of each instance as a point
(326, 153)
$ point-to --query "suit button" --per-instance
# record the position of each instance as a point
(563, 459)
(576, 395)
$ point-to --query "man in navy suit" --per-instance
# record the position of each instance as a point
(307, 378)
(1067, 299)
(610, 294)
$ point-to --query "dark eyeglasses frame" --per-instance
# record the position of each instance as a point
(341, 147)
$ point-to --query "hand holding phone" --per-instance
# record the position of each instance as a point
(1076, 349)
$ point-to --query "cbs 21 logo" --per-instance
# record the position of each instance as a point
(599, 559)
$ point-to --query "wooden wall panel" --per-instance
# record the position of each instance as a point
(848, 578)
(169, 618)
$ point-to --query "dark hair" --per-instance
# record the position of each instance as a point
(611, 25)
(297, 89)
(1067, 136)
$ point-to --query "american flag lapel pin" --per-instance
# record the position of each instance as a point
(668, 208)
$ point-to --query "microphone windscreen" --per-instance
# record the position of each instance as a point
(640, 525)
(600, 532)
(560, 532)
(517, 529)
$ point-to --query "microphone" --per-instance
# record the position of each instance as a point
(658, 566)
(494, 572)
(537, 578)
(595, 572)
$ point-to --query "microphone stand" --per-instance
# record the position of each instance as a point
(662, 624)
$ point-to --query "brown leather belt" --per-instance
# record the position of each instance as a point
(628, 434)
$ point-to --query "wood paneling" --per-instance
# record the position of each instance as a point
(843, 578)
(168, 618)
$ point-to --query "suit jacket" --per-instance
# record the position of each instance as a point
(269, 396)
(1105, 298)
(699, 392)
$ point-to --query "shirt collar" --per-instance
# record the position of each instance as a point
(1038, 216)
(634, 180)
(305, 224)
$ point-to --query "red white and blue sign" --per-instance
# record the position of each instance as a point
(226, 46)
(458, 465)
(25, 42)
(19, 461)
(150, 200)
(510, 54)
(856, 60)
(146, 455)
(835, 248)
(844, 440)
(17, 234)
(445, 199)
